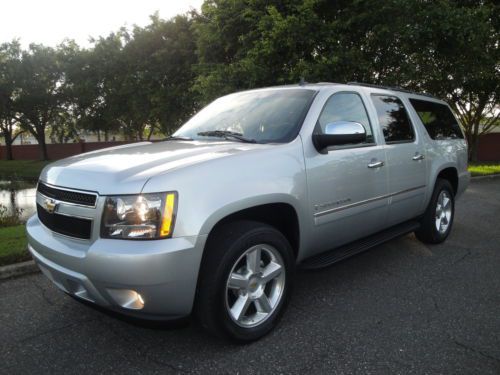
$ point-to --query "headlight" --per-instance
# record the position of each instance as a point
(144, 216)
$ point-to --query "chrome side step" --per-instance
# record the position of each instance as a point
(336, 255)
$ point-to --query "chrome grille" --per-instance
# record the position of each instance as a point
(66, 211)
(70, 196)
(66, 225)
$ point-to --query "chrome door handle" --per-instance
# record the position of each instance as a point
(376, 164)
(418, 157)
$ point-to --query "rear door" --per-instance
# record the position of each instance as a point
(405, 153)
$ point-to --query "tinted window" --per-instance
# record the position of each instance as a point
(345, 106)
(268, 116)
(393, 119)
(437, 119)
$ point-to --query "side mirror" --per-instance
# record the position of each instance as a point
(339, 133)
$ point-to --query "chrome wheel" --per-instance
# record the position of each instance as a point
(255, 285)
(443, 212)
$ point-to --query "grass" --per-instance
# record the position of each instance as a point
(484, 168)
(21, 169)
(13, 246)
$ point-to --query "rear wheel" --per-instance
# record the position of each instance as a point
(245, 280)
(438, 219)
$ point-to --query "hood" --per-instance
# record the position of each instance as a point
(125, 169)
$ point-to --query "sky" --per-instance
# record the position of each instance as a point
(49, 22)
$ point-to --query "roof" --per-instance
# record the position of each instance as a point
(325, 85)
(369, 85)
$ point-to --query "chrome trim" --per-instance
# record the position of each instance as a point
(376, 164)
(352, 205)
(418, 157)
(68, 189)
(58, 203)
(91, 219)
(348, 147)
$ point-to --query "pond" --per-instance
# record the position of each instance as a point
(18, 196)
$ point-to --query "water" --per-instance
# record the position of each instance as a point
(18, 195)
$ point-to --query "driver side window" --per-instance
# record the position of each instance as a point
(346, 106)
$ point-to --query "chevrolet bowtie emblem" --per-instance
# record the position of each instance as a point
(49, 205)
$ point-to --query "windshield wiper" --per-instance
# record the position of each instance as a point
(226, 134)
(175, 138)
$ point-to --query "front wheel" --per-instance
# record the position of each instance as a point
(438, 218)
(245, 280)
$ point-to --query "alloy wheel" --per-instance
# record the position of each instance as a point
(255, 285)
(443, 212)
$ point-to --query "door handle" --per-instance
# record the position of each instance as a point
(376, 164)
(418, 157)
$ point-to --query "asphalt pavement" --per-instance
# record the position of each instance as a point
(401, 308)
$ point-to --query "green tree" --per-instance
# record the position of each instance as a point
(92, 81)
(9, 126)
(460, 61)
(447, 48)
(225, 32)
(159, 75)
(39, 91)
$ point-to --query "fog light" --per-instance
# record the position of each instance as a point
(128, 299)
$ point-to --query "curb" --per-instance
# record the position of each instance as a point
(476, 178)
(18, 269)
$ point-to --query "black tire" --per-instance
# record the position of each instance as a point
(224, 248)
(428, 232)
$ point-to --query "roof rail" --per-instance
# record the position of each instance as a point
(393, 88)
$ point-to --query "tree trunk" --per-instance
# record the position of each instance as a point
(474, 144)
(8, 145)
(474, 149)
(43, 145)
(468, 138)
(98, 136)
(106, 136)
(150, 133)
(8, 151)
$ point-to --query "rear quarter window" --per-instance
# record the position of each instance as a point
(437, 119)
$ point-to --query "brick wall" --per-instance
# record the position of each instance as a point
(489, 147)
(57, 150)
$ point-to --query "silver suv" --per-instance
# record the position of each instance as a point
(214, 220)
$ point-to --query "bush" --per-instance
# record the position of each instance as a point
(9, 219)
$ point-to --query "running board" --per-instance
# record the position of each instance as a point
(336, 255)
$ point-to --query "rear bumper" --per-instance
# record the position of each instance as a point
(108, 272)
(463, 182)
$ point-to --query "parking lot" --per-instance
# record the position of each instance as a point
(402, 307)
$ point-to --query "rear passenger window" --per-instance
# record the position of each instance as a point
(437, 119)
(346, 106)
(393, 119)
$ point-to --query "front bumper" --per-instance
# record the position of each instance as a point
(164, 272)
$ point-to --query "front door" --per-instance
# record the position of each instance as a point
(348, 184)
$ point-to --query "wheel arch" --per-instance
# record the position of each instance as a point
(449, 173)
(279, 213)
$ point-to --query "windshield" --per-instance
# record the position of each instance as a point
(266, 116)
